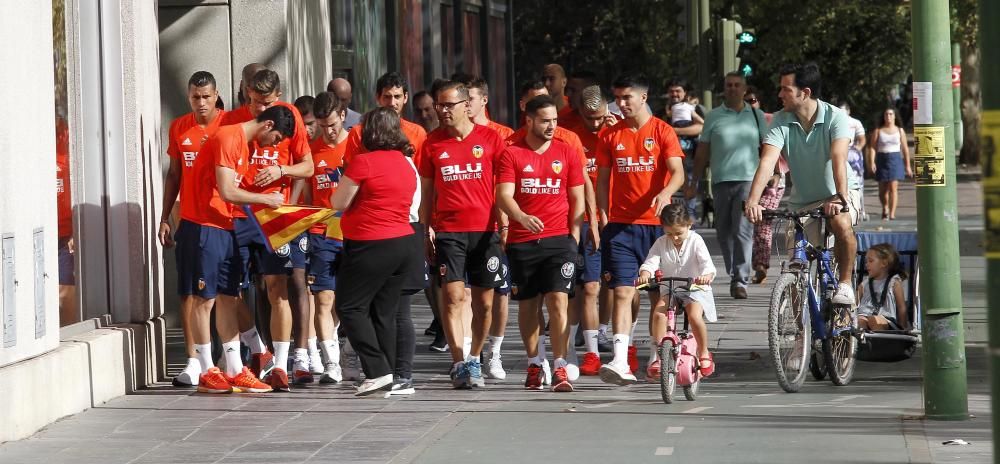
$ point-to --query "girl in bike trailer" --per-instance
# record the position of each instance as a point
(681, 252)
(881, 305)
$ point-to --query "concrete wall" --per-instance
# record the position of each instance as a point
(27, 186)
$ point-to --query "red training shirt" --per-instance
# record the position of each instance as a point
(186, 139)
(541, 186)
(387, 181)
(328, 165)
(227, 148)
(463, 176)
(638, 162)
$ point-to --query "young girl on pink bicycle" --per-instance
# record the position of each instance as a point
(681, 252)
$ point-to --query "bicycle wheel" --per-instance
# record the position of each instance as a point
(691, 391)
(668, 372)
(816, 366)
(789, 335)
(839, 351)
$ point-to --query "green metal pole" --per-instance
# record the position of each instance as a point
(944, 366)
(989, 13)
(704, 53)
(956, 87)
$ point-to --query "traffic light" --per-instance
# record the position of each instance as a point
(729, 33)
(747, 42)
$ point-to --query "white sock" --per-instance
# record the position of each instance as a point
(653, 351)
(571, 346)
(251, 338)
(231, 350)
(281, 354)
(495, 345)
(204, 354)
(559, 362)
(590, 336)
(537, 360)
(541, 347)
(331, 349)
(302, 359)
(472, 358)
(621, 349)
(631, 334)
(603, 328)
(466, 346)
(313, 346)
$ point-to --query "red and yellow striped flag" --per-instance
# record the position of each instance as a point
(333, 230)
(282, 224)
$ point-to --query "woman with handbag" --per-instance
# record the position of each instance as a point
(889, 160)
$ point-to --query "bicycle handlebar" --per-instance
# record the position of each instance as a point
(659, 279)
(811, 213)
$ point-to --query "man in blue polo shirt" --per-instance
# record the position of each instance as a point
(730, 142)
(814, 137)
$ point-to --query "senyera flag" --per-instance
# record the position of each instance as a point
(282, 224)
(333, 229)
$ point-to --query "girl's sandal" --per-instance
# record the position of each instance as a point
(706, 365)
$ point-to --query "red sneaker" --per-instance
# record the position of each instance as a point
(302, 377)
(633, 359)
(560, 380)
(591, 364)
(246, 382)
(653, 371)
(278, 380)
(261, 364)
(214, 381)
(534, 379)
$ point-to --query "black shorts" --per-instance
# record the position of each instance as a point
(543, 266)
(472, 254)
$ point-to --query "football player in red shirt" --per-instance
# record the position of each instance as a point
(540, 187)
(639, 168)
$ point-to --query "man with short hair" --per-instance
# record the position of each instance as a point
(246, 75)
(730, 143)
(342, 89)
(814, 137)
(540, 187)
(208, 263)
(555, 82)
(305, 104)
(456, 167)
(187, 134)
(423, 110)
(271, 169)
(640, 167)
(391, 91)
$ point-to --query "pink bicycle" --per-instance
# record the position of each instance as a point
(678, 350)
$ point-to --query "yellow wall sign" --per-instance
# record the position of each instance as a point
(928, 156)
(990, 132)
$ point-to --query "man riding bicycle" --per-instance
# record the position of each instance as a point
(814, 136)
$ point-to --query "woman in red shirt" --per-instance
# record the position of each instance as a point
(375, 193)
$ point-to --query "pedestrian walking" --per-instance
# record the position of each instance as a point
(889, 160)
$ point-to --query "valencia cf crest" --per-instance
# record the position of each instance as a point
(477, 151)
(201, 284)
(648, 144)
(557, 166)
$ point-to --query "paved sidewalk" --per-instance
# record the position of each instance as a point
(741, 414)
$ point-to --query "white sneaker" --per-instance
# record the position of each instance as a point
(316, 362)
(546, 372)
(844, 295)
(572, 372)
(351, 365)
(375, 385)
(494, 369)
(616, 374)
(332, 374)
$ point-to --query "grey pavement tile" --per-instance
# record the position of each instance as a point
(360, 451)
(318, 427)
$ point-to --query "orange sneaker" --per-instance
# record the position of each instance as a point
(278, 380)
(633, 359)
(246, 382)
(302, 377)
(214, 381)
(591, 364)
(261, 364)
(560, 381)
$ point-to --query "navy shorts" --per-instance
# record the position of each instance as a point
(208, 261)
(321, 270)
(257, 260)
(67, 266)
(590, 262)
(623, 249)
(543, 266)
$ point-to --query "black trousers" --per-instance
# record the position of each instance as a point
(369, 281)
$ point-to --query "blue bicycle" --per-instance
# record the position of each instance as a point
(802, 312)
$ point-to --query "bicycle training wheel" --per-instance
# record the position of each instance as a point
(839, 351)
(668, 372)
(789, 336)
